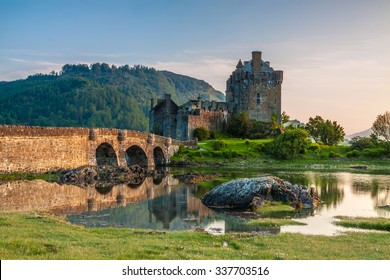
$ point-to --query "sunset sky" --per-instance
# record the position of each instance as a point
(335, 54)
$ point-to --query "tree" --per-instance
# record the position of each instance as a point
(381, 126)
(360, 143)
(328, 132)
(285, 117)
(290, 144)
(239, 125)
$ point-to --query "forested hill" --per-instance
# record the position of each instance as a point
(98, 95)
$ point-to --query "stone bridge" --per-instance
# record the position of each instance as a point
(29, 149)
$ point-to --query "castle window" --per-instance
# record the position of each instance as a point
(258, 99)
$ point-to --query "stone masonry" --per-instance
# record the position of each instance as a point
(28, 149)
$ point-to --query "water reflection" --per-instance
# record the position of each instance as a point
(165, 203)
(345, 194)
(64, 199)
(326, 184)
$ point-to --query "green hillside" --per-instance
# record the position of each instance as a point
(98, 95)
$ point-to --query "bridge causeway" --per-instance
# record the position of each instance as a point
(35, 149)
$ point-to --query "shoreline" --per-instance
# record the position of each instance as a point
(351, 166)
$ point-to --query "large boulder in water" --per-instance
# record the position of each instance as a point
(250, 192)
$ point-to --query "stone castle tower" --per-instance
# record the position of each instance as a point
(255, 88)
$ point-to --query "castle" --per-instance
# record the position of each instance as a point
(254, 87)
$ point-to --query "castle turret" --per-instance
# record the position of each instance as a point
(239, 65)
(279, 76)
(199, 104)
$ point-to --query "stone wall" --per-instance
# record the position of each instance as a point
(28, 149)
(210, 120)
(39, 149)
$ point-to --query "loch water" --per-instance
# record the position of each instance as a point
(165, 203)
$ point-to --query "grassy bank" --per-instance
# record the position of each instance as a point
(364, 223)
(243, 153)
(43, 236)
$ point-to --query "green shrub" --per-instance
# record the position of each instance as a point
(374, 152)
(213, 135)
(324, 155)
(289, 144)
(360, 143)
(352, 154)
(201, 133)
(230, 154)
(333, 154)
(182, 149)
(314, 147)
(386, 148)
(217, 145)
(259, 147)
(216, 153)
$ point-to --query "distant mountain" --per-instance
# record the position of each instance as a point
(188, 84)
(98, 95)
(365, 133)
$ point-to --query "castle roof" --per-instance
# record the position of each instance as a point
(161, 104)
(264, 67)
(239, 64)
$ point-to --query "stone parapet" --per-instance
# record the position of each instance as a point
(35, 149)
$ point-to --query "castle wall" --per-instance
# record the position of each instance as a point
(264, 102)
(182, 126)
(162, 117)
(210, 120)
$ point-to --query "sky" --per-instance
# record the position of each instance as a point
(335, 54)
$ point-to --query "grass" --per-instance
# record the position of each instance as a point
(244, 152)
(270, 222)
(229, 149)
(364, 223)
(276, 210)
(274, 206)
(43, 236)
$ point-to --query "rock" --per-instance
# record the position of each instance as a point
(251, 193)
(103, 176)
(257, 202)
(360, 167)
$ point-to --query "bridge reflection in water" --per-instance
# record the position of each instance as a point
(155, 203)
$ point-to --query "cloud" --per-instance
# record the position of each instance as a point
(14, 68)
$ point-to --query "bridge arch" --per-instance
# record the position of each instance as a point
(135, 155)
(158, 157)
(105, 155)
